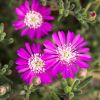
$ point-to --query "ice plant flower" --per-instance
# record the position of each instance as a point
(67, 54)
(33, 20)
(31, 64)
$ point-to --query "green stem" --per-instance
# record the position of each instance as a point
(78, 4)
(60, 17)
(88, 6)
(29, 91)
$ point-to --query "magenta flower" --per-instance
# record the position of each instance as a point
(32, 65)
(33, 20)
(67, 54)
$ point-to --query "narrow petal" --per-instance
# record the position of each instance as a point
(61, 35)
(20, 13)
(46, 27)
(82, 64)
(27, 5)
(45, 11)
(83, 50)
(49, 18)
(31, 33)
(18, 25)
(27, 45)
(80, 41)
(35, 5)
(82, 45)
(74, 68)
(24, 32)
(21, 61)
(70, 36)
(85, 57)
(39, 47)
(49, 45)
(31, 79)
(56, 70)
(36, 48)
(56, 39)
(76, 39)
(72, 75)
(26, 76)
(47, 57)
(77, 43)
(23, 54)
(51, 63)
(39, 33)
(45, 78)
(48, 51)
(65, 72)
(22, 7)
(22, 69)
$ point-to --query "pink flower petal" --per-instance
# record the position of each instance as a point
(27, 45)
(56, 39)
(61, 35)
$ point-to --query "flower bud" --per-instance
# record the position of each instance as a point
(83, 73)
(3, 90)
(37, 81)
(92, 15)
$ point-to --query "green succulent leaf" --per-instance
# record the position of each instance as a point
(75, 84)
(67, 89)
(84, 82)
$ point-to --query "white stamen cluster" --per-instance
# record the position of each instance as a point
(66, 54)
(33, 19)
(36, 64)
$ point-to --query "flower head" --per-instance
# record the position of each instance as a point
(67, 54)
(33, 19)
(31, 64)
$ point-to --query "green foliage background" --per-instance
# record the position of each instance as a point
(74, 15)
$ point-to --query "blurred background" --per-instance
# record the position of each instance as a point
(80, 16)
